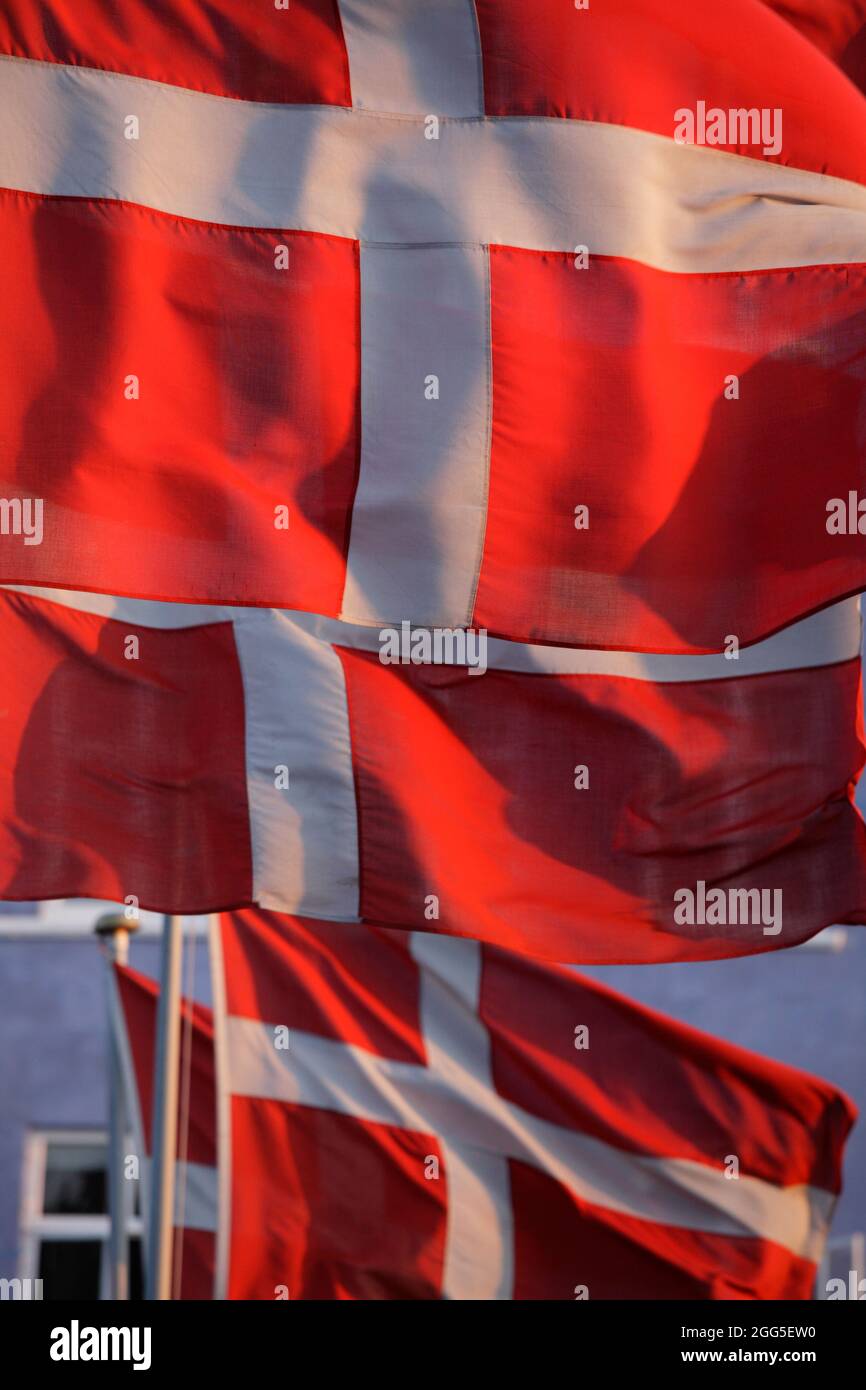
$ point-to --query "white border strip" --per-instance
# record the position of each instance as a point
(823, 639)
(539, 183)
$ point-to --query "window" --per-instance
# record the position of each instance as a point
(65, 1225)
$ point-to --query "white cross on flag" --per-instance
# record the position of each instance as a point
(416, 1117)
(538, 316)
(583, 806)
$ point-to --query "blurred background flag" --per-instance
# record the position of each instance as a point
(193, 1263)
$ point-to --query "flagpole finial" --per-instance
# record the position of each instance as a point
(115, 929)
(110, 922)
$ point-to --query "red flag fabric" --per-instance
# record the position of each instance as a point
(193, 1266)
(416, 1117)
(582, 806)
(836, 27)
(542, 319)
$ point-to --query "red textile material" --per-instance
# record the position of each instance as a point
(119, 775)
(328, 1204)
(836, 27)
(707, 515)
(228, 47)
(550, 59)
(466, 793)
(247, 402)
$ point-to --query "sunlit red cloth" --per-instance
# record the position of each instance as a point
(559, 802)
(416, 1117)
(318, 336)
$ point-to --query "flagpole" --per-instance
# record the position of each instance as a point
(165, 1098)
(223, 1109)
(114, 929)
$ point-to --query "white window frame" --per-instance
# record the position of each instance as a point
(35, 1225)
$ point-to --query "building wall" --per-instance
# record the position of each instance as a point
(53, 1048)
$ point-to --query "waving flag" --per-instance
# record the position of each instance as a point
(583, 806)
(196, 1185)
(413, 1117)
(837, 27)
(545, 319)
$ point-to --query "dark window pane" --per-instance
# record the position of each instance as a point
(75, 1180)
(136, 1270)
(69, 1269)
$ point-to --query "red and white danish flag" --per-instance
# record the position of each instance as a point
(196, 1205)
(417, 1117)
(578, 805)
(545, 318)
